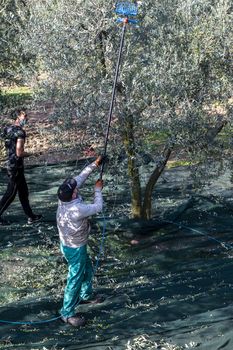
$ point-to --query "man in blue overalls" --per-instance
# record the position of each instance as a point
(74, 228)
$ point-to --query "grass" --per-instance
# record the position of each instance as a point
(20, 90)
(155, 139)
(176, 163)
(14, 97)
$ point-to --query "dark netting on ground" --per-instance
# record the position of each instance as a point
(171, 290)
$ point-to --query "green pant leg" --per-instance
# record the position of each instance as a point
(76, 259)
(86, 288)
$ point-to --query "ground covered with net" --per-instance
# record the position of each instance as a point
(167, 283)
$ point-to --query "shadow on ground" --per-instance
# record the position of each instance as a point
(171, 290)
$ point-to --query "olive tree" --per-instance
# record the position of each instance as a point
(14, 15)
(174, 86)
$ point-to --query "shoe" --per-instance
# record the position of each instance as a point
(35, 218)
(4, 222)
(97, 300)
(75, 321)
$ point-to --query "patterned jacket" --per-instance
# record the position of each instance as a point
(11, 135)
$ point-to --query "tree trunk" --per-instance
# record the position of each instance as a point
(214, 131)
(146, 209)
(135, 186)
(101, 51)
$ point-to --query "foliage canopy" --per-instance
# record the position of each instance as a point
(176, 75)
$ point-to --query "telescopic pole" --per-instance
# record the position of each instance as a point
(125, 21)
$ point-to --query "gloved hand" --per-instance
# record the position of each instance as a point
(99, 184)
(100, 160)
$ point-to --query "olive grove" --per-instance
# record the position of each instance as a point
(174, 94)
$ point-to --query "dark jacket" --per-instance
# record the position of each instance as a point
(11, 135)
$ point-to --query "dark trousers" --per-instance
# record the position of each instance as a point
(16, 183)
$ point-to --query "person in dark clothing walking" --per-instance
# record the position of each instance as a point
(15, 136)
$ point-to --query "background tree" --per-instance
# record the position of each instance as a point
(175, 83)
(14, 14)
(13, 57)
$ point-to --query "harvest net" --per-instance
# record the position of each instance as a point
(166, 286)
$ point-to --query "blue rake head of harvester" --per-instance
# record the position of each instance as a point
(126, 9)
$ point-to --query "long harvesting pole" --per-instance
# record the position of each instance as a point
(125, 21)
